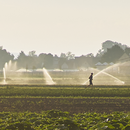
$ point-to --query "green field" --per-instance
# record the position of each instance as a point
(58, 120)
(64, 107)
(64, 91)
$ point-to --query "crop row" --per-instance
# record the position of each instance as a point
(65, 92)
(58, 120)
(72, 105)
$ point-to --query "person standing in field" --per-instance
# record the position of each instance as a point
(90, 80)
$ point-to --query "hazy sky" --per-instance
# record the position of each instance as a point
(56, 26)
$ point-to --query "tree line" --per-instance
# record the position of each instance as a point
(110, 52)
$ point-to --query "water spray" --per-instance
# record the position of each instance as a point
(48, 77)
(102, 71)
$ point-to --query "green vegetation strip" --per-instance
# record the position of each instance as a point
(58, 120)
(65, 92)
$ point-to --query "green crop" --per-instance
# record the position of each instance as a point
(66, 91)
(58, 120)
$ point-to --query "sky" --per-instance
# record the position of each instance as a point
(60, 26)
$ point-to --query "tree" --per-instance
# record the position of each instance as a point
(100, 53)
(112, 54)
(1, 47)
(21, 60)
(67, 56)
(70, 56)
(33, 68)
(45, 60)
(63, 55)
(108, 45)
(5, 57)
(32, 53)
(127, 51)
(21, 55)
(48, 61)
(90, 55)
(41, 60)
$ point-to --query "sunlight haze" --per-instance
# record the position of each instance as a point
(59, 26)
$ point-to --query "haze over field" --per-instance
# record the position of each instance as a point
(60, 26)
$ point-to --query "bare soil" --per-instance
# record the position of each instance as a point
(72, 105)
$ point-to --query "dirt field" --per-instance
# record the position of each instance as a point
(72, 105)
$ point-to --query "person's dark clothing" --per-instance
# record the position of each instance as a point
(90, 79)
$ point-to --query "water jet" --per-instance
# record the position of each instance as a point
(4, 74)
(104, 71)
(48, 78)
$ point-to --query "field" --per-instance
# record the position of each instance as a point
(89, 106)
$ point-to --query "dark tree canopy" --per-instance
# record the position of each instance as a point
(112, 54)
(5, 57)
(21, 60)
(127, 51)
